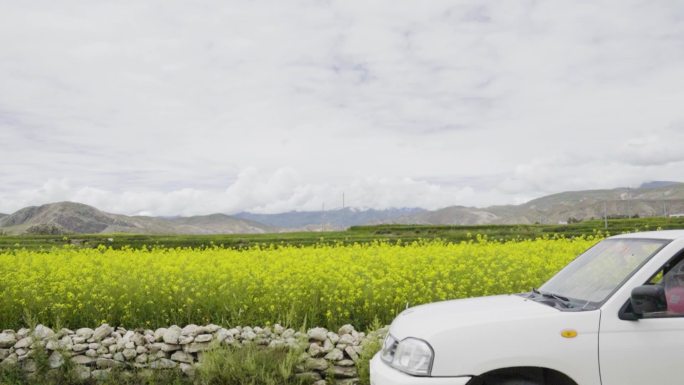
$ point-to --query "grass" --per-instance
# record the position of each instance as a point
(356, 234)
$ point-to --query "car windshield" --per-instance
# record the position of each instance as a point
(593, 276)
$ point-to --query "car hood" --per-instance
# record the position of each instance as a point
(426, 321)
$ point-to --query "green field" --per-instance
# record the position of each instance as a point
(357, 234)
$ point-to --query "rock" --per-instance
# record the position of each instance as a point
(320, 382)
(349, 381)
(345, 372)
(163, 363)
(345, 329)
(288, 333)
(248, 335)
(211, 328)
(108, 341)
(345, 363)
(42, 332)
(85, 332)
(11, 360)
(24, 343)
(308, 377)
(184, 340)
(315, 350)
(79, 348)
(78, 340)
(278, 329)
(101, 332)
(22, 333)
(317, 334)
(4, 353)
(82, 360)
(333, 337)
(141, 349)
(119, 357)
(141, 359)
(334, 355)
(196, 347)
(187, 369)
(55, 360)
(21, 353)
(159, 334)
(346, 339)
(82, 372)
(171, 335)
(105, 363)
(222, 334)
(93, 345)
(7, 340)
(91, 353)
(204, 338)
(52, 345)
(190, 330)
(29, 366)
(138, 339)
(319, 364)
(351, 352)
(129, 354)
(182, 357)
(170, 347)
(101, 374)
(129, 345)
(328, 346)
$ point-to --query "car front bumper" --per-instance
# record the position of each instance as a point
(383, 374)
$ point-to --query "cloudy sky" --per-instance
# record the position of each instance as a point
(177, 107)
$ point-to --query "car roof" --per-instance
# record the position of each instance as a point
(662, 234)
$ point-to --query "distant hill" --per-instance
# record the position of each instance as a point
(329, 220)
(69, 217)
(651, 199)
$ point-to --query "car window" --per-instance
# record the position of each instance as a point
(672, 281)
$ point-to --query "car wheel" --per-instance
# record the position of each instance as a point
(510, 381)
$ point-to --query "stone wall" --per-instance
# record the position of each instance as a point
(96, 352)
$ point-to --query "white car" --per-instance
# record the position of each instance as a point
(613, 316)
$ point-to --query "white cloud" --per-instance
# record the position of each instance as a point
(271, 105)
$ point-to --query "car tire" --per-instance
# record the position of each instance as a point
(512, 381)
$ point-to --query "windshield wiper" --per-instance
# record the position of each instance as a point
(562, 300)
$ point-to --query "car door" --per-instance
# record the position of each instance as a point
(649, 350)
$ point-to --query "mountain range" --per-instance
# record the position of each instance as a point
(650, 199)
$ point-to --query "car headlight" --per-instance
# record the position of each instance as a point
(410, 355)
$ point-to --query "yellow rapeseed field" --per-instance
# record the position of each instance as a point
(320, 285)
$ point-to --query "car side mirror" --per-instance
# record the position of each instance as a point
(648, 299)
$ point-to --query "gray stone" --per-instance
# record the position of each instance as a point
(85, 332)
(182, 357)
(141, 359)
(109, 341)
(171, 335)
(334, 355)
(211, 328)
(141, 349)
(82, 372)
(129, 354)
(187, 369)
(42, 332)
(119, 357)
(78, 340)
(190, 330)
(349, 381)
(24, 343)
(159, 334)
(79, 348)
(11, 360)
(23, 332)
(345, 372)
(196, 347)
(288, 333)
(317, 334)
(248, 335)
(319, 364)
(101, 374)
(333, 337)
(55, 360)
(184, 340)
(93, 345)
(328, 346)
(163, 363)
(345, 363)
(7, 340)
(52, 345)
(315, 350)
(345, 329)
(105, 363)
(351, 352)
(222, 334)
(346, 339)
(21, 353)
(203, 338)
(82, 360)
(101, 332)
(91, 353)
(308, 377)
(170, 347)
(4, 353)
